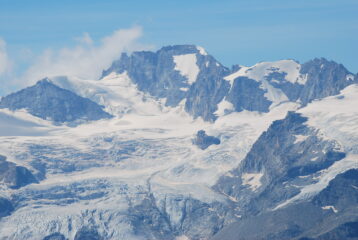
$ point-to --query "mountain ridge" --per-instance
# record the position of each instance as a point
(215, 89)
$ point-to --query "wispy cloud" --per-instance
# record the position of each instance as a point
(87, 59)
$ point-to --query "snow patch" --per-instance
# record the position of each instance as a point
(330, 208)
(252, 179)
(184, 89)
(183, 237)
(300, 138)
(349, 77)
(261, 70)
(201, 50)
(224, 107)
(240, 73)
(186, 65)
(275, 95)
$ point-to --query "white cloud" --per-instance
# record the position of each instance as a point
(86, 60)
(85, 39)
(4, 59)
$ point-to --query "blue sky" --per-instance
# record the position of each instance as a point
(235, 32)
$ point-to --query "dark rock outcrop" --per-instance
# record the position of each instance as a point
(15, 176)
(55, 236)
(204, 141)
(246, 94)
(87, 233)
(6, 207)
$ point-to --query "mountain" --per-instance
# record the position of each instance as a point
(172, 145)
(48, 101)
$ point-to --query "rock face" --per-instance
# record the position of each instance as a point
(332, 214)
(176, 215)
(55, 236)
(203, 141)
(346, 230)
(87, 233)
(176, 73)
(324, 78)
(5, 207)
(47, 101)
(246, 94)
(14, 176)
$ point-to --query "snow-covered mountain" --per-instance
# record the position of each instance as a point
(174, 145)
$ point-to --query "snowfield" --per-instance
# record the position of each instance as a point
(186, 65)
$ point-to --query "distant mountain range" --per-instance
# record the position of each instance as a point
(173, 145)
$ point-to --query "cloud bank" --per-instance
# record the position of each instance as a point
(86, 60)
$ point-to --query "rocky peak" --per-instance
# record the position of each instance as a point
(48, 101)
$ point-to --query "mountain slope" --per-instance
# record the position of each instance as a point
(331, 214)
